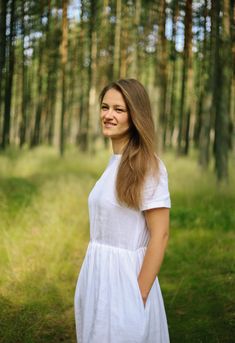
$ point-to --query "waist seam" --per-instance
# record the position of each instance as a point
(109, 246)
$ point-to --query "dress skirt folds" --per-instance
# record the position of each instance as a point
(108, 303)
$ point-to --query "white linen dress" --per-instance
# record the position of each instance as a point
(107, 302)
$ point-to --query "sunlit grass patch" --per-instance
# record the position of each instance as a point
(44, 232)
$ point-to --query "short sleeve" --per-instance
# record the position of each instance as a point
(155, 191)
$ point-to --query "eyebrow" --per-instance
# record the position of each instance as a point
(116, 105)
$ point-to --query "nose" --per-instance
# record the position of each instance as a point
(108, 113)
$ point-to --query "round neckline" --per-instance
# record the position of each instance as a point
(115, 156)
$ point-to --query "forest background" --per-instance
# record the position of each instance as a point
(55, 57)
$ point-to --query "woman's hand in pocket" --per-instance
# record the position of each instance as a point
(144, 300)
(143, 296)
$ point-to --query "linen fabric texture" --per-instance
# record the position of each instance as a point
(108, 304)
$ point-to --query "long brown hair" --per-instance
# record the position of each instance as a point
(139, 155)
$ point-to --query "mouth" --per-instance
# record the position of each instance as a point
(109, 124)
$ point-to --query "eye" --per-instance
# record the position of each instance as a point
(119, 110)
(103, 107)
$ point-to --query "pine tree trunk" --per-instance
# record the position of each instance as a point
(83, 103)
(37, 123)
(224, 67)
(64, 52)
(205, 118)
(23, 123)
(3, 15)
(186, 88)
(92, 115)
(53, 79)
(9, 81)
(49, 61)
(135, 54)
(173, 103)
(117, 41)
(162, 70)
(105, 63)
(35, 140)
(72, 88)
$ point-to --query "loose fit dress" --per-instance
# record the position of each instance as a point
(107, 302)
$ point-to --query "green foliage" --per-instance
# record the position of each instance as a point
(45, 230)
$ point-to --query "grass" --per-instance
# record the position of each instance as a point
(44, 231)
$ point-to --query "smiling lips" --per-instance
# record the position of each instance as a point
(108, 124)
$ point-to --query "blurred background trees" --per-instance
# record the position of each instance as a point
(56, 56)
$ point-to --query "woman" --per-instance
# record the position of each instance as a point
(118, 298)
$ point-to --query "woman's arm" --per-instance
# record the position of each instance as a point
(157, 220)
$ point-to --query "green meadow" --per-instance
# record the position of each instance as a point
(44, 232)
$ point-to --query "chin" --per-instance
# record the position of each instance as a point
(106, 134)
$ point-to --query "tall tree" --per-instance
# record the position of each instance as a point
(223, 64)
(53, 61)
(72, 82)
(83, 88)
(23, 120)
(92, 75)
(3, 15)
(204, 117)
(64, 57)
(135, 48)
(162, 69)
(104, 50)
(9, 78)
(122, 42)
(186, 86)
(173, 72)
(35, 139)
(117, 40)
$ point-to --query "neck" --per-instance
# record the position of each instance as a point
(118, 146)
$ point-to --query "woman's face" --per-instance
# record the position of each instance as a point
(114, 115)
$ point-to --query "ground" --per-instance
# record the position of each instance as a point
(44, 232)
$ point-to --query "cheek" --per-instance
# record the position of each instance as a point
(125, 121)
(101, 115)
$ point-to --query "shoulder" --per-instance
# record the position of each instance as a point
(155, 190)
(162, 170)
(157, 175)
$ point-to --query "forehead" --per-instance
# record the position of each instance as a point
(114, 97)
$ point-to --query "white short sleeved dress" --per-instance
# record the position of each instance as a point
(107, 302)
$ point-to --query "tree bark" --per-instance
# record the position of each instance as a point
(162, 70)
(3, 15)
(53, 61)
(223, 63)
(23, 123)
(117, 41)
(9, 81)
(92, 70)
(36, 135)
(135, 54)
(83, 87)
(173, 84)
(204, 121)
(186, 87)
(64, 57)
